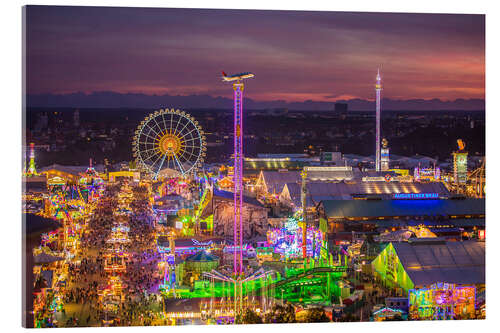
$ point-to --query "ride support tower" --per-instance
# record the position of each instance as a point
(238, 270)
(238, 178)
(303, 223)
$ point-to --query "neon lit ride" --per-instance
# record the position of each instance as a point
(169, 139)
(288, 241)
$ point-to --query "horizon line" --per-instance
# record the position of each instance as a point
(253, 99)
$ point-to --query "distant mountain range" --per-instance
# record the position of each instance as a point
(109, 99)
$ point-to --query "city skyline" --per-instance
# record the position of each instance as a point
(159, 51)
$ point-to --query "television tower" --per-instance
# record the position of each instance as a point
(31, 168)
(378, 87)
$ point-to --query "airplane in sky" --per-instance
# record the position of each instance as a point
(236, 77)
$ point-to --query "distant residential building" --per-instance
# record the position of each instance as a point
(341, 107)
(76, 118)
(277, 112)
(42, 122)
(331, 158)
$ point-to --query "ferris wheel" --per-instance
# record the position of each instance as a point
(169, 139)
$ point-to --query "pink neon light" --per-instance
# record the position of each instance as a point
(238, 179)
(235, 175)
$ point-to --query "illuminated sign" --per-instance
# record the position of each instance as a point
(333, 168)
(56, 180)
(415, 196)
(195, 242)
(232, 248)
(267, 159)
(460, 167)
(384, 158)
(376, 179)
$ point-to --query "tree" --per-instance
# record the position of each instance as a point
(348, 317)
(289, 314)
(281, 314)
(251, 317)
(316, 315)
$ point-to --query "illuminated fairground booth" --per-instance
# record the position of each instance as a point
(59, 174)
(119, 235)
(185, 246)
(440, 278)
(443, 301)
(427, 174)
(288, 241)
(201, 262)
(115, 261)
(134, 175)
(90, 184)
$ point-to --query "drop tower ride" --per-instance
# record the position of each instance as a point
(238, 271)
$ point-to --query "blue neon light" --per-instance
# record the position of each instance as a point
(415, 196)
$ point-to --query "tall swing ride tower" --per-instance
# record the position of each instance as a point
(238, 277)
(238, 272)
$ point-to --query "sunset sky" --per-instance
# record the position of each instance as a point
(296, 56)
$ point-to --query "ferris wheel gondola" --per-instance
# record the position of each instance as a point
(169, 139)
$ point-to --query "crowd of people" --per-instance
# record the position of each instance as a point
(139, 303)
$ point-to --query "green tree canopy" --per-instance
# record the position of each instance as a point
(316, 315)
(251, 317)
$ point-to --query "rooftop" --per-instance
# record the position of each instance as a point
(226, 195)
(71, 169)
(318, 191)
(428, 262)
(387, 208)
(202, 256)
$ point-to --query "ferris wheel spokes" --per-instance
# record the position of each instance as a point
(179, 164)
(177, 143)
(176, 126)
(161, 164)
